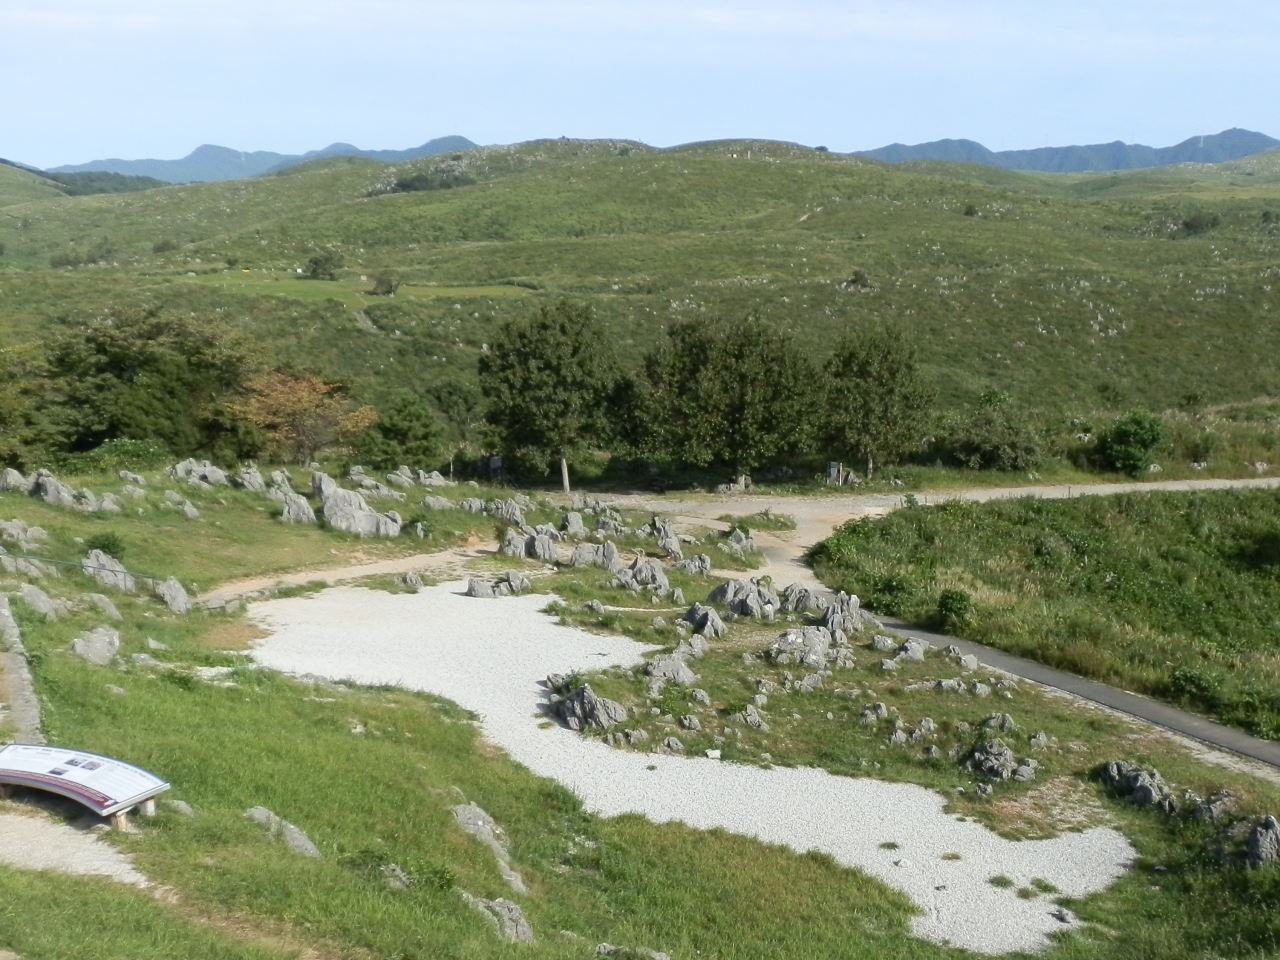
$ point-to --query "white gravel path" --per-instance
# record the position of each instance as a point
(34, 843)
(489, 656)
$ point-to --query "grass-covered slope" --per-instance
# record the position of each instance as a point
(1077, 291)
(1173, 595)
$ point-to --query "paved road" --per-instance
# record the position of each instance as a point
(1152, 711)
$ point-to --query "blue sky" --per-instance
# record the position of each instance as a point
(87, 79)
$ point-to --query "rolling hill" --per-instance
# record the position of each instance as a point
(1070, 293)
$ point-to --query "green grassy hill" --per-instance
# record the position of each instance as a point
(1068, 292)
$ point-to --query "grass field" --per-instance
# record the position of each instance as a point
(1174, 595)
(383, 795)
(1071, 293)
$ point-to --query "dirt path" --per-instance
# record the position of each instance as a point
(441, 561)
(817, 517)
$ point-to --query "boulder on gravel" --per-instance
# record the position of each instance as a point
(108, 571)
(512, 582)
(294, 839)
(99, 646)
(1264, 844)
(1145, 788)
(173, 594)
(506, 917)
(582, 709)
(297, 509)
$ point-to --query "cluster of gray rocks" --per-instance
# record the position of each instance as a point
(1145, 787)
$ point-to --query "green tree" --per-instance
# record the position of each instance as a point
(877, 401)
(732, 392)
(406, 432)
(153, 376)
(325, 265)
(1128, 446)
(547, 380)
(26, 429)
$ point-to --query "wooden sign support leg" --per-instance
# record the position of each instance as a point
(148, 807)
(119, 821)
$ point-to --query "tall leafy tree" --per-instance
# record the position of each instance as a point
(877, 401)
(406, 432)
(547, 380)
(731, 392)
(149, 375)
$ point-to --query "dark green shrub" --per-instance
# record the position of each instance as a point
(995, 437)
(1130, 443)
(955, 610)
(1200, 222)
(894, 595)
(109, 543)
(436, 179)
(970, 210)
(164, 246)
(325, 265)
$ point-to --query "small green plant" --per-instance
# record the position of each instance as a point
(951, 856)
(888, 845)
(955, 610)
(1001, 881)
(1044, 886)
(108, 542)
(1026, 893)
(167, 245)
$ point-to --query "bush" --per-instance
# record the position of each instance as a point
(955, 610)
(325, 265)
(164, 246)
(970, 210)
(108, 543)
(385, 285)
(434, 179)
(1128, 446)
(995, 437)
(1200, 223)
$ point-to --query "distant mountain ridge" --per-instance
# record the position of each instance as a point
(1101, 157)
(210, 162)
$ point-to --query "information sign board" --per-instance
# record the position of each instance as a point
(103, 785)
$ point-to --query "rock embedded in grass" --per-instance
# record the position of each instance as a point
(1264, 844)
(582, 709)
(99, 646)
(174, 595)
(294, 839)
(505, 917)
(108, 571)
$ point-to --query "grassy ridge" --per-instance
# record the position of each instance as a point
(1070, 292)
(1174, 595)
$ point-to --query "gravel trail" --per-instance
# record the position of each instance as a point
(34, 843)
(489, 656)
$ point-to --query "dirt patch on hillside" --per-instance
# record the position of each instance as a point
(231, 635)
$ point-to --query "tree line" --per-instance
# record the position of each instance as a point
(729, 394)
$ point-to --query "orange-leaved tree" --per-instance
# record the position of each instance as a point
(302, 414)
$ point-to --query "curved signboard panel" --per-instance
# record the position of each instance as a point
(103, 785)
